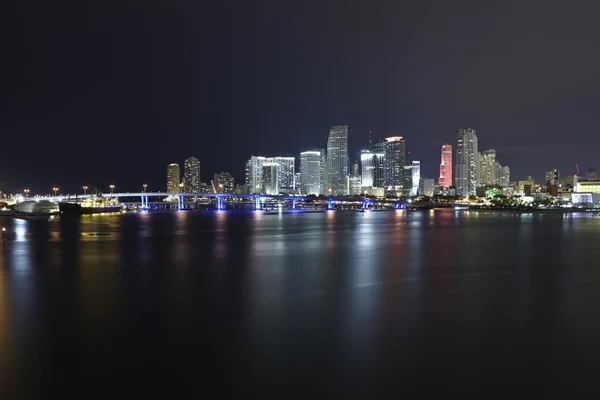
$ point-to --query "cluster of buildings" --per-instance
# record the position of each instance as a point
(381, 169)
(222, 182)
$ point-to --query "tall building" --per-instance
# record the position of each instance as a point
(337, 160)
(505, 180)
(416, 177)
(356, 168)
(270, 178)
(379, 163)
(325, 189)
(407, 182)
(286, 173)
(487, 168)
(224, 183)
(367, 169)
(467, 163)
(310, 172)
(445, 179)
(395, 156)
(428, 186)
(552, 177)
(191, 175)
(173, 177)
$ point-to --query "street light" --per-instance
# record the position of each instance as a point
(85, 190)
(55, 189)
(112, 188)
(145, 186)
(181, 188)
(26, 192)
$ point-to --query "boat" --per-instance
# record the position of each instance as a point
(34, 209)
(94, 205)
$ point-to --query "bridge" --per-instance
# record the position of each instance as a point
(181, 201)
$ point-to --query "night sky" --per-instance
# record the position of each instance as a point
(112, 91)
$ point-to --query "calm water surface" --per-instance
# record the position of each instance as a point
(335, 303)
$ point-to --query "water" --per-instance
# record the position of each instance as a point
(333, 303)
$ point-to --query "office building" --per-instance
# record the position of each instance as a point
(354, 185)
(223, 183)
(552, 177)
(173, 178)
(191, 175)
(505, 177)
(467, 163)
(337, 160)
(428, 187)
(325, 189)
(487, 168)
(310, 172)
(286, 173)
(416, 177)
(270, 178)
(407, 182)
(367, 169)
(445, 179)
(379, 163)
(395, 156)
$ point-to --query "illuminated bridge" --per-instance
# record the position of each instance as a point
(181, 201)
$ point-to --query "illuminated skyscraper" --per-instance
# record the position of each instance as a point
(367, 169)
(191, 175)
(394, 151)
(467, 163)
(286, 173)
(310, 172)
(224, 183)
(379, 163)
(488, 168)
(416, 177)
(270, 178)
(173, 178)
(337, 160)
(446, 167)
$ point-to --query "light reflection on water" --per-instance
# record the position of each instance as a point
(295, 295)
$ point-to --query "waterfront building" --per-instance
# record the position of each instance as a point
(505, 177)
(270, 178)
(394, 159)
(325, 189)
(337, 160)
(522, 185)
(191, 175)
(240, 189)
(416, 177)
(354, 185)
(587, 186)
(445, 179)
(379, 163)
(428, 187)
(552, 177)
(487, 168)
(223, 182)
(173, 178)
(286, 173)
(407, 181)
(467, 163)
(204, 187)
(310, 172)
(367, 169)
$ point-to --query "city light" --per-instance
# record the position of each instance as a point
(144, 188)
(55, 189)
(85, 190)
(112, 188)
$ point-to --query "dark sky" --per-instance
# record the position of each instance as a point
(112, 91)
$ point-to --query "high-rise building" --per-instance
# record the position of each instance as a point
(487, 168)
(395, 156)
(191, 175)
(505, 180)
(552, 177)
(367, 169)
(428, 186)
(445, 180)
(310, 172)
(416, 177)
(354, 187)
(173, 178)
(407, 182)
(356, 168)
(270, 178)
(224, 182)
(325, 189)
(337, 160)
(286, 173)
(379, 163)
(467, 163)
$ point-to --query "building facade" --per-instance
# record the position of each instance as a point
(487, 168)
(337, 160)
(223, 183)
(286, 173)
(310, 172)
(191, 175)
(173, 178)
(270, 178)
(445, 179)
(395, 156)
(467, 163)
(416, 177)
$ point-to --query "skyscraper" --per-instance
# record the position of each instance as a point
(446, 167)
(379, 163)
(487, 168)
(173, 177)
(223, 183)
(286, 173)
(467, 163)
(395, 154)
(367, 169)
(310, 172)
(270, 178)
(191, 175)
(337, 160)
(416, 177)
